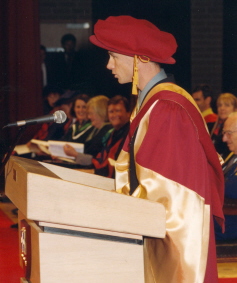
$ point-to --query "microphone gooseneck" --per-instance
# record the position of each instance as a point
(57, 117)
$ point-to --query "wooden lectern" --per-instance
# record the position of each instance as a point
(75, 228)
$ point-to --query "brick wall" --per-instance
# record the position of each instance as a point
(206, 43)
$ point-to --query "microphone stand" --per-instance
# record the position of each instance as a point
(11, 148)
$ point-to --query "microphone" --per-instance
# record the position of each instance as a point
(57, 117)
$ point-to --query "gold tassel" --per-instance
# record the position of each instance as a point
(135, 76)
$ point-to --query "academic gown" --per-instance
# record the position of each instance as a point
(104, 161)
(176, 165)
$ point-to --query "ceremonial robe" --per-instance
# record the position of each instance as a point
(104, 161)
(176, 165)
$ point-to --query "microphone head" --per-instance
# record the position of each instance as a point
(60, 116)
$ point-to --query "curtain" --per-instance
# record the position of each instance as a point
(21, 87)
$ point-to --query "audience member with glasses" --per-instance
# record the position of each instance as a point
(226, 104)
(230, 173)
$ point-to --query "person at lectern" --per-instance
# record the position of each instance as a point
(168, 155)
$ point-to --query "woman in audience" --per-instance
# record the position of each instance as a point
(98, 114)
(226, 104)
(81, 126)
(103, 163)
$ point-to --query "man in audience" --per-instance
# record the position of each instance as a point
(68, 64)
(103, 163)
(51, 94)
(230, 174)
(63, 67)
(203, 96)
(168, 156)
(54, 131)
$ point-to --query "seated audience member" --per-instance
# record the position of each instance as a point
(81, 126)
(119, 114)
(51, 131)
(203, 96)
(98, 115)
(54, 131)
(230, 174)
(226, 104)
(51, 94)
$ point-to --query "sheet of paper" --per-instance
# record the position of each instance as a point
(40, 142)
(56, 148)
(41, 145)
(22, 149)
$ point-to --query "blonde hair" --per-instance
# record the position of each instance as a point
(227, 97)
(100, 105)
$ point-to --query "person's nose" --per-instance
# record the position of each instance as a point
(110, 64)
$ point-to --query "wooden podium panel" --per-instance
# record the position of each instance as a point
(79, 228)
(42, 196)
(89, 260)
(74, 257)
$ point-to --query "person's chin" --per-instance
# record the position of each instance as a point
(230, 148)
(114, 125)
(223, 117)
(121, 81)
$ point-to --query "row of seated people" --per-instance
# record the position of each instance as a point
(104, 135)
(223, 131)
(100, 123)
(102, 141)
(226, 103)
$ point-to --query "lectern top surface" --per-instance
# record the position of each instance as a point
(33, 166)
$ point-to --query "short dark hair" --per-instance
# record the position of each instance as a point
(206, 90)
(83, 97)
(67, 37)
(51, 89)
(118, 99)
